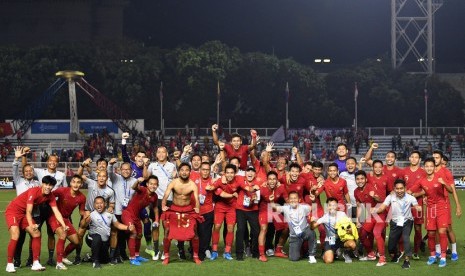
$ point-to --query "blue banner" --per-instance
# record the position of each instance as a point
(97, 127)
(50, 128)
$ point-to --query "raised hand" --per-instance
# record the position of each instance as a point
(269, 147)
(214, 127)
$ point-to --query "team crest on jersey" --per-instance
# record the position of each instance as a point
(134, 174)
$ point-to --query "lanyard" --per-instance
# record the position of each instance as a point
(163, 169)
(103, 220)
(330, 227)
(403, 207)
(298, 216)
(125, 188)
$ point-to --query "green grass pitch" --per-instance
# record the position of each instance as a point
(274, 266)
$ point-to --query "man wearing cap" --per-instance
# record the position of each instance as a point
(247, 211)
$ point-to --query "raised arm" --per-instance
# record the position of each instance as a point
(369, 154)
(124, 150)
(214, 134)
(253, 144)
(136, 184)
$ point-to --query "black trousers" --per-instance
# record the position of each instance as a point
(400, 231)
(121, 241)
(242, 218)
(204, 231)
(99, 248)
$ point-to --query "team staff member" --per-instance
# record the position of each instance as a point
(402, 219)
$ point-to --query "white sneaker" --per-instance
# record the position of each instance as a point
(36, 266)
(208, 254)
(61, 266)
(10, 268)
(162, 257)
(156, 256)
(67, 262)
(270, 252)
(347, 258)
(311, 259)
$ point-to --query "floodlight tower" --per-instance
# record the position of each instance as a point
(71, 76)
(412, 32)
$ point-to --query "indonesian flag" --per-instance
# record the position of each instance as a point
(355, 92)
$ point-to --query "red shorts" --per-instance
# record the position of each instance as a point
(221, 214)
(181, 221)
(437, 217)
(370, 224)
(418, 217)
(127, 218)
(18, 220)
(54, 225)
(265, 217)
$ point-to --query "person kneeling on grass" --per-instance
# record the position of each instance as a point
(299, 231)
(99, 222)
(340, 234)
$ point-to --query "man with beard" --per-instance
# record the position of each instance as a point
(180, 219)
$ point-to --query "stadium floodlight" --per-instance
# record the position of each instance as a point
(318, 60)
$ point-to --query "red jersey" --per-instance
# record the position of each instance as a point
(362, 195)
(251, 195)
(32, 196)
(298, 186)
(265, 192)
(260, 175)
(141, 199)
(312, 184)
(391, 175)
(242, 153)
(67, 203)
(282, 176)
(337, 190)
(411, 177)
(207, 205)
(379, 185)
(225, 204)
(447, 176)
(434, 191)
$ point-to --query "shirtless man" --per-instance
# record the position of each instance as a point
(180, 219)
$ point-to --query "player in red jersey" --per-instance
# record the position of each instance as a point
(391, 171)
(368, 194)
(235, 148)
(335, 187)
(411, 175)
(18, 216)
(143, 197)
(67, 200)
(446, 175)
(296, 182)
(180, 219)
(271, 192)
(437, 209)
(226, 189)
(315, 181)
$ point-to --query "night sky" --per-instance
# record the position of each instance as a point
(347, 31)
